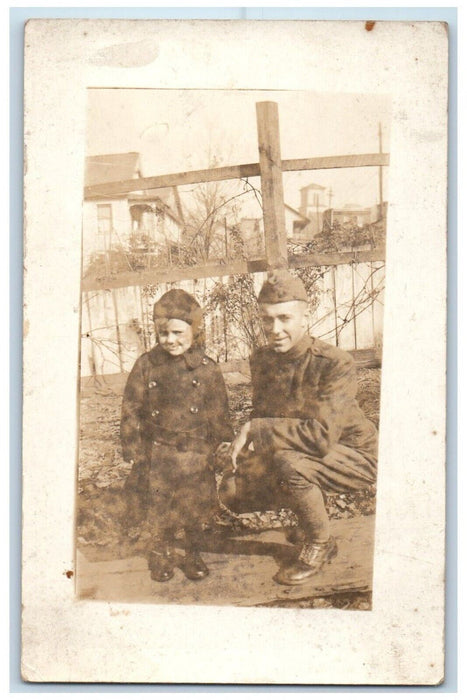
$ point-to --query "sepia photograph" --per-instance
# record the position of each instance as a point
(234, 361)
(231, 345)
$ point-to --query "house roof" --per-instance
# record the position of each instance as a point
(312, 186)
(353, 206)
(352, 209)
(297, 213)
(164, 194)
(111, 167)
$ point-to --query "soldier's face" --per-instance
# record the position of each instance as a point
(285, 324)
(174, 336)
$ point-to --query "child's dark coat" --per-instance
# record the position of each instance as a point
(174, 415)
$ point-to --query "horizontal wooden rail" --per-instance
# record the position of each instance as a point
(365, 160)
(155, 276)
(323, 259)
(231, 172)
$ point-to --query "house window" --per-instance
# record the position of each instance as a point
(104, 227)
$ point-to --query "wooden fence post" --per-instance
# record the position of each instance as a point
(275, 237)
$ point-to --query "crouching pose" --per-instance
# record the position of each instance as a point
(307, 432)
(174, 416)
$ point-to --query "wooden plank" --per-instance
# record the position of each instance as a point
(102, 333)
(134, 279)
(364, 312)
(156, 275)
(378, 280)
(242, 570)
(123, 187)
(370, 357)
(361, 160)
(345, 310)
(322, 259)
(87, 357)
(272, 191)
(231, 172)
(323, 325)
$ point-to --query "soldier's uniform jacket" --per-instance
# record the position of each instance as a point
(176, 401)
(304, 400)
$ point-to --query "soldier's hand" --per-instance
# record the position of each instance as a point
(241, 440)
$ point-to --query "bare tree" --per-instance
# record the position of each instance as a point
(215, 209)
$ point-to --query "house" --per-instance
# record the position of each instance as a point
(355, 215)
(311, 211)
(251, 231)
(152, 219)
(352, 214)
(297, 225)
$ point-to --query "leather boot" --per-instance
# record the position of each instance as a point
(194, 567)
(160, 562)
(312, 558)
(294, 535)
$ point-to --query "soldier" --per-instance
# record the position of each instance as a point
(307, 432)
(174, 415)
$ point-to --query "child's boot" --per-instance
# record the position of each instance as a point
(160, 562)
(194, 567)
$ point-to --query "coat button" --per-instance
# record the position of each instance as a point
(194, 409)
(195, 382)
(155, 413)
(152, 384)
(204, 361)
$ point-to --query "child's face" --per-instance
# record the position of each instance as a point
(174, 336)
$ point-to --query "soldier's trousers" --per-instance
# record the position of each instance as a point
(287, 478)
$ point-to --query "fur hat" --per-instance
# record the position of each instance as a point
(176, 303)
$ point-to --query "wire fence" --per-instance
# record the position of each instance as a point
(346, 302)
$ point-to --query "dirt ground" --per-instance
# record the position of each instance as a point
(101, 533)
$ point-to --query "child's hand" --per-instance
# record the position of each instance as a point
(222, 457)
(241, 440)
(223, 449)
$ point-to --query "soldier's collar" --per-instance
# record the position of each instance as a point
(193, 358)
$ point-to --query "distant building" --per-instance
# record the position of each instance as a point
(353, 214)
(110, 221)
(311, 210)
(251, 231)
(297, 225)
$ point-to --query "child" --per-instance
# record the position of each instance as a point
(174, 416)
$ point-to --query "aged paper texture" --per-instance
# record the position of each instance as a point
(90, 611)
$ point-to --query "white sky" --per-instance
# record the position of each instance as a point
(179, 130)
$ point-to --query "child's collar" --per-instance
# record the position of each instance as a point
(194, 357)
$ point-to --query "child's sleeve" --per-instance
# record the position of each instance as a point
(220, 427)
(130, 424)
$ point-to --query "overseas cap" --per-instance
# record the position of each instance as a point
(176, 303)
(281, 286)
